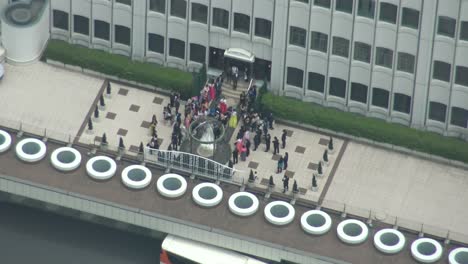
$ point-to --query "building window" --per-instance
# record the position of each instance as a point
(316, 82)
(322, 3)
(319, 41)
(359, 92)
(340, 47)
(366, 8)
(384, 57)
(179, 8)
(388, 12)
(197, 53)
(380, 97)
(176, 48)
(303, 1)
(158, 6)
(402, 103)
(122, 35)
(60, 19)
(220, 18)
(295, 77)
(437, 111)
(297, 36)
(81, 25)
(446, 26)
(461, 75)
(241, 23)
(156, 43)
(441, 71)
(124, 2)
(464, 30)
(362, 52)
(101, 29)
(337, 87)
(199, 13)
(263, 28)
(405, 62)
(410, 18)
(459, 117)
(344, 6)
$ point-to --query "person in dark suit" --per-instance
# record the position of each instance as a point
(283, 138)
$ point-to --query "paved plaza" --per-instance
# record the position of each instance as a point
(41, 96)
(367, 178)
(393, 184)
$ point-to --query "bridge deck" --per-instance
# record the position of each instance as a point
(220, 217)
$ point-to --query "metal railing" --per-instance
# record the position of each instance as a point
(194, 165)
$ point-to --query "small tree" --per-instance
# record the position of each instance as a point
(121, 143)
(251, 176)
(320, 169)
(330, 144)
(270, 182)
(141, 149)
(96, 112)
(90, 124)
(104, 139)
(154, 120)
(199, 80)
(325, 156)
(295, 188)
(101, 100)
(314, 182)
(108, 89)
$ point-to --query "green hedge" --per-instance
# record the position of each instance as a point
(121, 66)
(360, 126)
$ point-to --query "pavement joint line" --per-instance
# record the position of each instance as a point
(333, 170)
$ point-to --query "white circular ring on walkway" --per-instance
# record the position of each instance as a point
(5, 141)
(243, 203)
(31, 150)
(207, 194)
(458, 256)
(65, 159)
(171, 185)
(426, 250)
(101, 167)
(279, 213)
(352, 231)
(316, 222)
(136, 176)
(389, 241)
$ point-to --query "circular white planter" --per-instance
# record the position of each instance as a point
(5, 141)
(352, 231)
(171, 185)
(426, 250)
(101, 168)
(136, 176)
(279, 213)
(389, 241)
(316, 222)
(207, 194)
(31, 150)
(65, 159)
(458, 256)
(243, 204)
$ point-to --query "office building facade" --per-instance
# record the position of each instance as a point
(404, 61)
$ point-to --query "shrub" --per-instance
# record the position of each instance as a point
(360, 126)
(120, 66)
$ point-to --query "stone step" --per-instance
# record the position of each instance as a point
(233, 93)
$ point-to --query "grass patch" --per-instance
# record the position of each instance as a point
(121, 66)
(360, 126)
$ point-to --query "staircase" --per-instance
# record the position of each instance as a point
(231, 95)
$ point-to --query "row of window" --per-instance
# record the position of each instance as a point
(388, 13)
(176, 48)
(438, 112)
(442, 72)
(380, 97)
(199, 14)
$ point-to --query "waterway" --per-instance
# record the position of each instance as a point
(29, 235)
